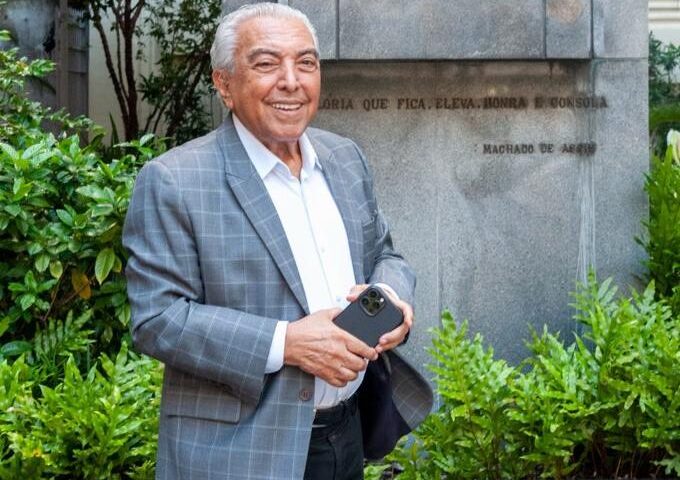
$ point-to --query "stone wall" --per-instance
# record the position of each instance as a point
(509, 144)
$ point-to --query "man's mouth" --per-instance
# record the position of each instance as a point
(287, 107)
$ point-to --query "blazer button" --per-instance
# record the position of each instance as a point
(305, 395)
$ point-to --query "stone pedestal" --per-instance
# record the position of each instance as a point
(509, 144)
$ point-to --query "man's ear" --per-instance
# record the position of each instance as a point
(221, 82)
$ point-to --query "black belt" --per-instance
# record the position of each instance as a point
(333, 415)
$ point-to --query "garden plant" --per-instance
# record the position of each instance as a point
(75, 402)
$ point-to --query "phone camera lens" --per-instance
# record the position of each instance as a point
(365, 301)
(372, 294)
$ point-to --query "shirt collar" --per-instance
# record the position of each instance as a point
(265, 161)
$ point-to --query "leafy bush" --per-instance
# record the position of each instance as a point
(664, 93)
(62, 206)
(663, 226)
(99, 426)
(664, 59)
(66, 409)
(608, 404)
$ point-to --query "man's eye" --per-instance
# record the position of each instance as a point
(265, 65)
(308, 65)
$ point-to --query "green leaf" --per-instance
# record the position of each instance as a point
(145, 139)
(102, 209)
(65, 217)
(13, 209)
(26, 301)
(56, 269)
(104, 264)
(42, 262)
(15, 348)
(93, 192)
(31, 151)
(4, 325)
(34, 248)
(30, 281)
(9, 151)
(16, 287)
(117, 265)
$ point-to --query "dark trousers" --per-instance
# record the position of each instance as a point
(335, 450)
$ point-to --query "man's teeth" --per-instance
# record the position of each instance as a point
(285, 106)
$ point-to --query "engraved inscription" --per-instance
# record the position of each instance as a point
(336, 104)
(572, 103)
(497, 103)
(508, 149)
(583, 149)
(484, 105)
(539, 102)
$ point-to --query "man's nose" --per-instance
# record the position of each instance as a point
(289, 77)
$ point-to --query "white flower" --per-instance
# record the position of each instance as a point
(673, 141)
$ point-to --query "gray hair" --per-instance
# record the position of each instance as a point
(226, 37)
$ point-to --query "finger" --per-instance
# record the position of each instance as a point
(392, 339)
(347, 374)
(357, 347)
(354, 362)
(355, 291)
(407, 312)
(333, 312)
(336, 382)
(340, 377)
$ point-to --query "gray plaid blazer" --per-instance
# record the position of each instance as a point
(210, 272)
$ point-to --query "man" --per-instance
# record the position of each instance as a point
(243, 244)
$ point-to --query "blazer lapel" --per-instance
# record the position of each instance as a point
(258, 207)
(337, 183)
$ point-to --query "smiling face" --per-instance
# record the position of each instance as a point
(274, 88)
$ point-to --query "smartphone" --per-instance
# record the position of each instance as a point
(370, 316)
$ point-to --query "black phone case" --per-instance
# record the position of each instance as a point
(366, 327)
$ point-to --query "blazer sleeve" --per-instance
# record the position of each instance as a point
(389, 266)
(170, 320)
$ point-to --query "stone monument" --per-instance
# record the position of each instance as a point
(509, 144)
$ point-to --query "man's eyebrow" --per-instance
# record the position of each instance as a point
(307, 51)
(261, 51)
(268, 51)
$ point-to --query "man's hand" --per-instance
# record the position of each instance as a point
(317, 346)
(394, 338)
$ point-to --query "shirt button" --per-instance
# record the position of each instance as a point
(305, 395)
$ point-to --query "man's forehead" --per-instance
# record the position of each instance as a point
(262, 34)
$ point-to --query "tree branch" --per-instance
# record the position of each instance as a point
(119, 64)
(97, 21)
(128, 33)
(177, 115)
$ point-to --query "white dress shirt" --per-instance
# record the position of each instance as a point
(317, 237)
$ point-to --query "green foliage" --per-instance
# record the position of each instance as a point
(466, 438)
(177, 89)
(62, 209)
(19, 116)
(663, 226)
(101, 425)
(663, 60)
(664, 94)
(62, 296)
(62, 206)
(606, 404)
